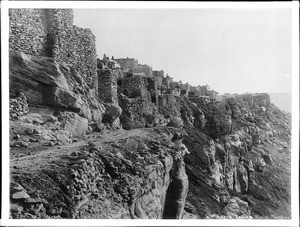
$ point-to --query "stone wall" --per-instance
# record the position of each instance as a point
(159, 77)
(28, 31)
(134, 87)
(132, 63)
(151, 86)
(107, 85)
(166, 81)
(139, 113)
(169, 105)
(127, 63)
(51, 33)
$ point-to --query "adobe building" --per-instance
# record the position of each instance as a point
(166, 81)
(132, 63)
(185, 89)
(136, 86)
(159, 77)
(127, 63)
(107, 63)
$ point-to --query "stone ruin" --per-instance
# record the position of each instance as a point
(51, 33)
(123, 82)
(127, 64)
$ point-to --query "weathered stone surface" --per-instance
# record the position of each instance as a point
(50, 32)
(51, 84)
(73, 123)
(139, 113)
(37, 73)
(176, 122)
(36, 118)
(16, 209)
(178, 189)
(18, 192)
(18, 106)
(237, 146)
(242, 177)
(112, 113)
(237, 207)
(20, 144)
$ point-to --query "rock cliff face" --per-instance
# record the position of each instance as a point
(45, 82)
(120, 149)
(136, 174)
(142, 173)
(239, 157)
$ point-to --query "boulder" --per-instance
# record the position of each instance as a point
(20, 195)
(112, 113)
(237, 207)
(73, 123)
(18, 192)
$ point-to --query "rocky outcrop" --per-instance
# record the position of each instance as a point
(178, 157)
(139, 113)
(236, 157)
(143, 174)
(45, 82)
(73, 123)
(131, 177)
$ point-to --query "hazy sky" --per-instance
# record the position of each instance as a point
(232, 50)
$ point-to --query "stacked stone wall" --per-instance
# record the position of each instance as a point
(133, 87)
(158, 77)
(28, 31)
(151, 86)
(166, 81)
(107, 85)
(136, 112)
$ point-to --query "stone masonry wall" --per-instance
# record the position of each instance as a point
(151, 86)
(28, 30)
(51, 33)
(133, 87)
(107, 85)
(137, 113)
(159, 77)
(166, 81)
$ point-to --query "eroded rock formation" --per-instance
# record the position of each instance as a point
(107, 143)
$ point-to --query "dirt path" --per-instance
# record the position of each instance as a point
(37, 157)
